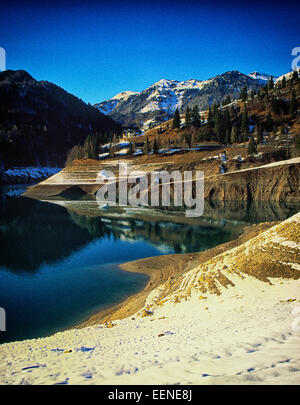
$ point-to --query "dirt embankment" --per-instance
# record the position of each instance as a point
(277, 181)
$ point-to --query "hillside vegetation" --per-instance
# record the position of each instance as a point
(263, 125)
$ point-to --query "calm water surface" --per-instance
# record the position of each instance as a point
(59, 265)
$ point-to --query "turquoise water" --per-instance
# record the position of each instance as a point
(58, 267)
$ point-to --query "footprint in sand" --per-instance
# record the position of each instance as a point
(35, 366)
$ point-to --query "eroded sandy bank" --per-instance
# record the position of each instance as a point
(160, 269)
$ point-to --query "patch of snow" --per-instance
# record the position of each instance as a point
(287, 76)
(124, 95)
(34, 173)
(122, 152)
(138, 152)
(103, 155)
(107, 107)
(262, 77)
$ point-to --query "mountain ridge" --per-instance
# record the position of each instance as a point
(262, 77)
(159, 101)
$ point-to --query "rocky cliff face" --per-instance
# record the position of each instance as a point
(273, 182)
(279, 181)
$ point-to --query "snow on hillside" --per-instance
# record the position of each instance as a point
(287, 76)
(179, 86)
(262, 77)
(124, 95)
(167, 95)
(28, 174)
(159, 101)
(164, 95)
(265, 77)
(108, 106)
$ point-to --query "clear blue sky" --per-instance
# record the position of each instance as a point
(100, 49)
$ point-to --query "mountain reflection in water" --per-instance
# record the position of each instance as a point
(58, 261)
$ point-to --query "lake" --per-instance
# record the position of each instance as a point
(59, 259)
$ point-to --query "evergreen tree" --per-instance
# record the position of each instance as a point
(271, 84)
(155, 146)
(269, 123)
(210, 122)
(245, 122)
(283, 82)
(227, 137)
(130, 151)
(218, 126)
(293, 105)
(146, 148)
(226, 120)
(259, 134)
(196, 120)
(87, 147)
(176, 119)
(295, 76)
(90, 148)
(227, 100)
(251, 147)
(188, 117)
(234, 136)
(244, 93)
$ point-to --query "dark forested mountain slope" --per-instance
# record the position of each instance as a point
(40, 122)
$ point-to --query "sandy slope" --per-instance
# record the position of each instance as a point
(230, 320)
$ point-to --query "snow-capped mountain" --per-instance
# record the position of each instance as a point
(110, 105)
(262, 77)
(159, 101)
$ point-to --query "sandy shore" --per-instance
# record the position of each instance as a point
(160, 269)
(233, 318)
